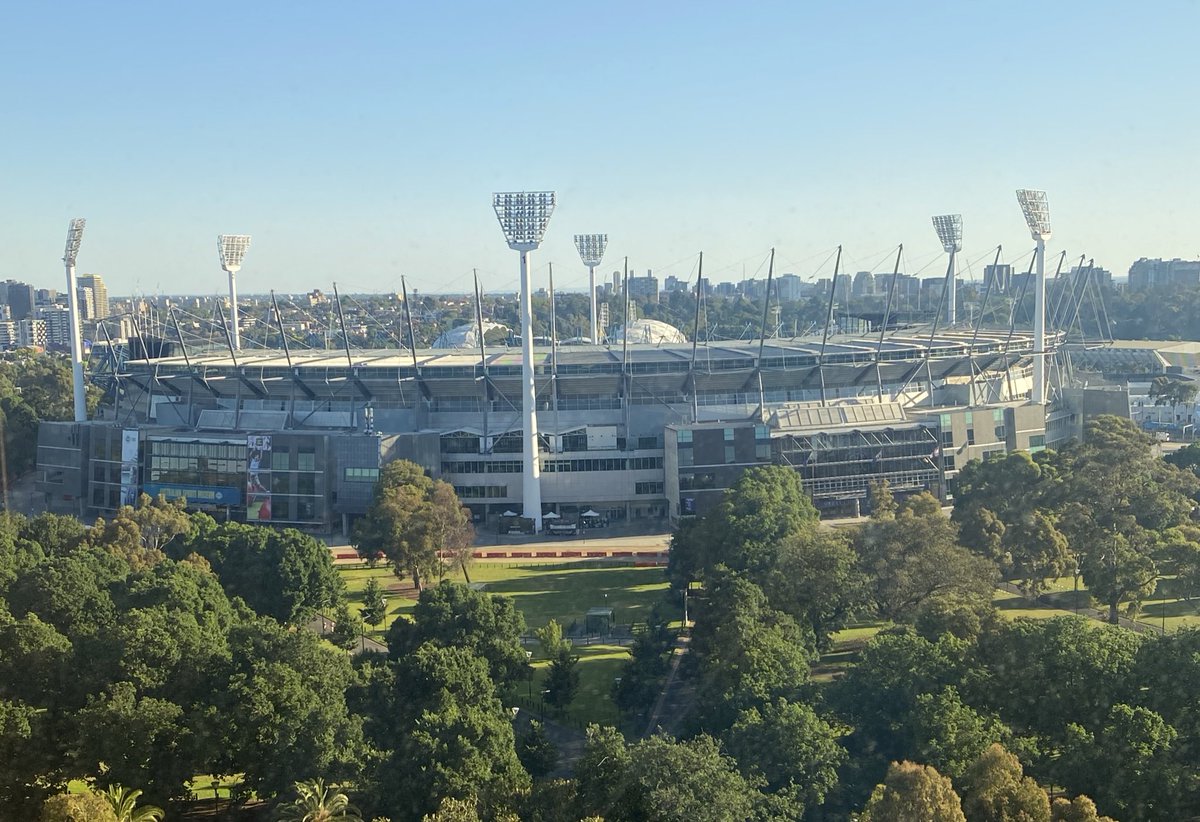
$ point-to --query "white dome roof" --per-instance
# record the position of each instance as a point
(653, 332)
(464, 336)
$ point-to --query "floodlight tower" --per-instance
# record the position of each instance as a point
(1036, 209)
(232, 248)
(74, 238)
(523, 217)
(949, 231)
(591, 251)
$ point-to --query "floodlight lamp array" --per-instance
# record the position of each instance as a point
(949, 231)
(74, 238)
(1036, 209)
(523, 217)
(232, 248)
(591, 248)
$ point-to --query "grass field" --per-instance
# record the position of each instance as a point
(562, 591)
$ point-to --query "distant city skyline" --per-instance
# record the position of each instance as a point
(366, 146)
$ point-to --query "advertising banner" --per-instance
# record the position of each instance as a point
(200, 496)
(129, 466)
(258, 478)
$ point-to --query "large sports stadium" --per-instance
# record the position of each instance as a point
(628, 432)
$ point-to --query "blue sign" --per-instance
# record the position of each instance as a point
(195, 494)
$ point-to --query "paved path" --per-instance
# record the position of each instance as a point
(322, 625)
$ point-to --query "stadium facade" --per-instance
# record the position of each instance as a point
(637, 432)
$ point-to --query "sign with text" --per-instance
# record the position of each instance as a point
(258, 478)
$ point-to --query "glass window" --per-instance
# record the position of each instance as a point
(686, 457)
(684, 436)
(1037, 441)
(728, 435)
(306, 459)
(729, 455)
(280, 461)
(970, 436)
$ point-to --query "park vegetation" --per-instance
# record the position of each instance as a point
(143, 651)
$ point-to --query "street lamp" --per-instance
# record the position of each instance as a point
(949, 231)
(591, 252)
(523, 217)
(232, 250)
(1036, 209)
(74, 238)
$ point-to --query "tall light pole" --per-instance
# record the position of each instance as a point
(232, 248)
(1036, 209)
(523, 217)
(949, 231)
(591, 251)
(74, 238)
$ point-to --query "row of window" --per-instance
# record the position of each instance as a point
(481, 491)
(362, 475)
(654, 488)
(554, 466)
(762, 453)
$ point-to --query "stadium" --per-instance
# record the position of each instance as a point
(630, 432)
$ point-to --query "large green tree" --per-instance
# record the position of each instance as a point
(411, 519)
(913, 792)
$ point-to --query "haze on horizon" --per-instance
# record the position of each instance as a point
(363, 145)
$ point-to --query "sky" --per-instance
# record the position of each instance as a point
(358, 142)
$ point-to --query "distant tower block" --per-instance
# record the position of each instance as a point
(591, 251)
(1036, 208)
(74, 238)
(523, 217)
(232, 249)
(949, 231)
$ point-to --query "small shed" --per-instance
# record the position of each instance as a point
(598, 620)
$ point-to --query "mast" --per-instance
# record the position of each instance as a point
(887, 312)
(828, 322)
(695, 340)
(762, 339)
(487, 400)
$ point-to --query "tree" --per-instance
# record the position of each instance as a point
(765, 506)
(124, 802)
(453, 737)
(284, 574)
(816, 580)
(747, 653)
(537, 751)
(1118, 573)
(345, 632)
(997, 790)
(1129, 766)
(1079, 809)
(411, 519)
(949, 734)
(913, 792)
(1166, 391)
(914, 557)
(550, 638)
(282, 699)
(78, 807)
(454, 810)
(661, 779)
(562, 680)
(453, 615)
(318, 802)
(1037, 549)
(1070, 671)
(789, 749)
(374, 603)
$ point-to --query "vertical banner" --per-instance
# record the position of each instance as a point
(129, 465)
(258, 478)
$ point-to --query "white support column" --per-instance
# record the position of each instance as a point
(952, 291)
(531, 488)
(77, 385)
(1039, 326)
(592, 290)
(234, 332)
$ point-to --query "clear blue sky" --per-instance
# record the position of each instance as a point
(361, 141)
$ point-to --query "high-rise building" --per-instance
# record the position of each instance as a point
(58, 325)
(864, 284)
(87, 303)
(99, 304)
(790, 288)
(644, 287)
(1146, 273)
(19, 297)
(31, 333)
(45, 296)
(9, 335)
